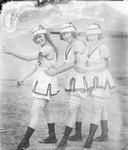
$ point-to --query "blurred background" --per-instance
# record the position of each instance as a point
(45, 1)
(17, 23)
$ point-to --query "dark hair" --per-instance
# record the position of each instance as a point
(73, 34)
(100, 36)
(47, 37)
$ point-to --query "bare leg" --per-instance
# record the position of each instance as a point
(51, 124)
(35, 113)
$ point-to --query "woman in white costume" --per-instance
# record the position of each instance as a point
(99, 81)
(75, 83)
(44, 86)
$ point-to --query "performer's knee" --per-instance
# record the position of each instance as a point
(72, 109)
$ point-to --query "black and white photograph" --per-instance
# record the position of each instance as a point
(64, 75)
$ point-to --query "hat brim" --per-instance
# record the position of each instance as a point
(96, 31)
(68, 29)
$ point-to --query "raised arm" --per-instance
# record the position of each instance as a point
(20, 55)
(46, 50)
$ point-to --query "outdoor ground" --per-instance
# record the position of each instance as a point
(16, 103)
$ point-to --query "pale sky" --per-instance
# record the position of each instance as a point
(120, 6)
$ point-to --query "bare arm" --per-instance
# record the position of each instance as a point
(78, 47)
(97, 67)
(63, 68)
(20, 55)
(57, 66)
(27, 56)
(26, 75)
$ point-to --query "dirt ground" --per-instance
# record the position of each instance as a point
(16, 103)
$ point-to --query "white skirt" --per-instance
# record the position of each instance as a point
(75, 82)
(100, 82)
(44, 86)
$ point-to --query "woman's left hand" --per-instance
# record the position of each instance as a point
(19, 83)
(50, 72)
(80, 69)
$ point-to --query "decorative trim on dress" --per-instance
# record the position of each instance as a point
(40, 56)
(95, 84)
(67, 52)
(72, 86)
(94, 49)
(48, 90)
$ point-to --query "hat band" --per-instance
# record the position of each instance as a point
(39, 32)
(67, 29)
(93, 31)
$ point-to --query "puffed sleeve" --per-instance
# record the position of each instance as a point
(79, 47)
(104, 52)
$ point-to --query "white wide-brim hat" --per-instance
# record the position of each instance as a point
(93, 29)
(38, 30)
(67, 27)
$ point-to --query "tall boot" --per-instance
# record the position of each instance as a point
(104, 133)
(25, 141)
(63, 142)
(52, 137)
(77, 136)
(93, 128)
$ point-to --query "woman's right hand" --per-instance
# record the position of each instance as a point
(50, 72)
(80, 69)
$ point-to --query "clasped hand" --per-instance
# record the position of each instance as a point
(50, 72)
(79, 69)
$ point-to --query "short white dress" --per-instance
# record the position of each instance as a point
(44, 86)
(100, 82)
(75, 81)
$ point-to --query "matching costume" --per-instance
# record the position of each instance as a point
(75, 84)
(100, 82)
(75, 81)
(45, 86)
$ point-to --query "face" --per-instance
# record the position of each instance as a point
(40, 39)
(67, 36)
(93, 38)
